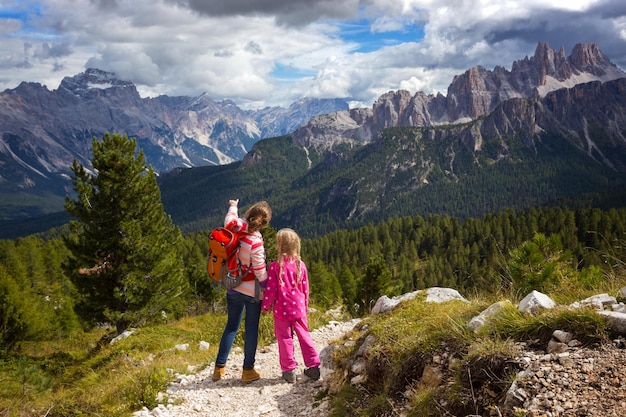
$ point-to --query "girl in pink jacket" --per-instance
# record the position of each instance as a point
(287, 295)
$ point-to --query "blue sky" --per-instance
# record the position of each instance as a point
(276, 51)
(365, 39)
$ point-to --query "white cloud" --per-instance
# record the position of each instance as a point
(274, 52)
(10, 26)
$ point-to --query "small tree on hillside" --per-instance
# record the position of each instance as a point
(124, 247)
(325, 289)
(348, 288)
(376, 281)
(540, 264)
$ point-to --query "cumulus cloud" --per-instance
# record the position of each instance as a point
(286, 12)
(273, 52)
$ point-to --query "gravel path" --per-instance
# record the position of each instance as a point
(197, 395)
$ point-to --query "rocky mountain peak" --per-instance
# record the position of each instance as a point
(95, 79)
(390, 108)
(548, 58)
(475, 93)
(590, 59)
(43, 131)
(546, 62)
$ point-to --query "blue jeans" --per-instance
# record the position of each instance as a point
(236, 303)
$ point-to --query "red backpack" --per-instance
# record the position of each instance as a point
(223, 264)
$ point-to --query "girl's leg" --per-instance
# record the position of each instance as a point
(251, 340)
(309, 353)
(235, 313)
(284, 337)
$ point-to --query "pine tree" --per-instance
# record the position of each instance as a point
(324, 288)
(124, 257)
(540, 264)
(348, 288)
(375, 282)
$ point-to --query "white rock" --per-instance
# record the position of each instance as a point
(534, 302)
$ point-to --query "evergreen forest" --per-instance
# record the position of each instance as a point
(351, 267)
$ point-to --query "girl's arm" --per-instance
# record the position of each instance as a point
(232, 213)
(271, 289)
(305, 284)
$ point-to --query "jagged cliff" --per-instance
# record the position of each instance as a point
(476, 93)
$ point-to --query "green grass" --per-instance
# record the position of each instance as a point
(417, 337)
(87, 376)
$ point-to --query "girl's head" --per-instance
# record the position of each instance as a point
(288, 248)
(258, 216)
(288, 243)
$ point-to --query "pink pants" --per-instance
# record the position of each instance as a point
(284, 330)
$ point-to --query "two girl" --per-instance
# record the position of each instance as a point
(286, 295)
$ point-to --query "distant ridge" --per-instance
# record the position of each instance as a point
(494, 115)
(43, 131)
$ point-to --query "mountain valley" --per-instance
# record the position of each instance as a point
(550, 129)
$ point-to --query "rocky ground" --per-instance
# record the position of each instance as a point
(577, 381)
(197, 395)
(589, 382)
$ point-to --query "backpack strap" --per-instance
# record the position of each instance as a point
(257, 290)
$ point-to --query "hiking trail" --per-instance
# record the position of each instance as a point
(198, 396)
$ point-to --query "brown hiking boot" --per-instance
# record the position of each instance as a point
(218, 372)
(250, 375)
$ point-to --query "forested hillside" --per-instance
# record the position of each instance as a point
(391, 257)
(471, 255)
(407, 172)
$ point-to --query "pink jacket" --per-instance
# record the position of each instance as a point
(251, 252)
(288, 300)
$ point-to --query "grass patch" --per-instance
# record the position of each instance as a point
(422, 358)
(584, 323)
(346, 402)
(87, 376)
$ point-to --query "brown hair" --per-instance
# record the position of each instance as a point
(258, 216)
(288, 247)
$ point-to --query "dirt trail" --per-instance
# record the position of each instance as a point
(197, 395)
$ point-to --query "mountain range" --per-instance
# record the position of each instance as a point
(43, 131)
(552, 127)
(476, 93)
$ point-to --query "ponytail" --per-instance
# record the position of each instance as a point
(258, 216)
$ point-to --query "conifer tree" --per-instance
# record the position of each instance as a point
(348, 288)
(124, 258)
(376, 281)
(540, 264)
(325, 289)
